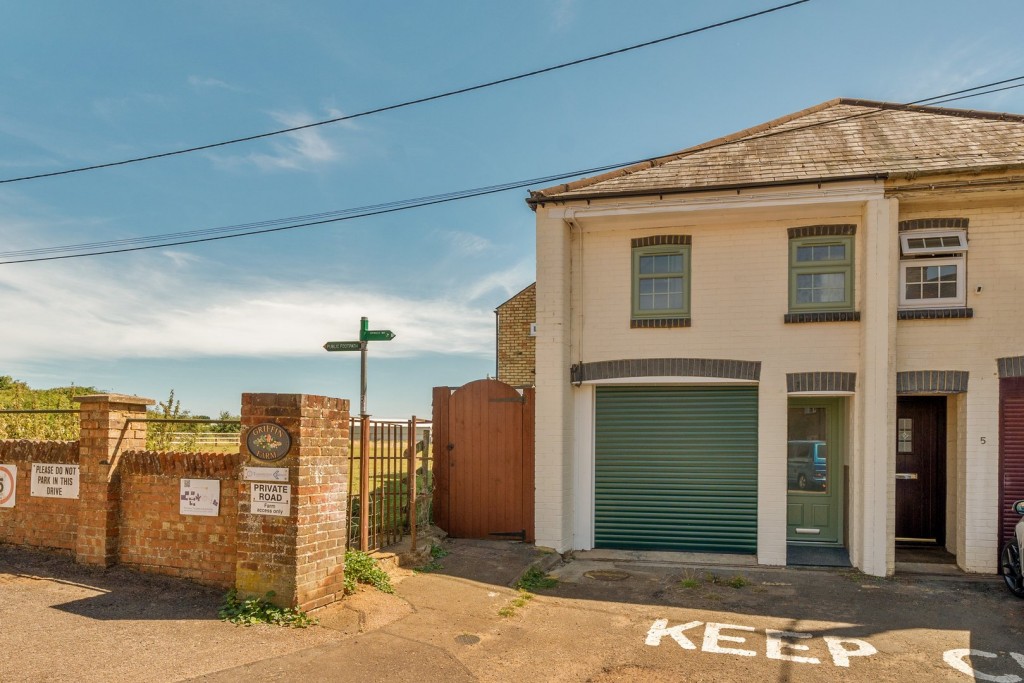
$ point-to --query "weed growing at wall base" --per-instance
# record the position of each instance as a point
(261, 611)
(361, 568)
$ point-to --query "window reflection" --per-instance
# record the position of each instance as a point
(807, 462)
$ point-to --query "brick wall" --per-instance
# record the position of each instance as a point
(516, 346)
(156, 537)
(129, 508)
(38, 522)
(299, 557)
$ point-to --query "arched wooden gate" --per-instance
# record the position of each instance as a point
(483, 461)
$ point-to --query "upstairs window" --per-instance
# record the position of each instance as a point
(821, 273)
(933, 269)
(661, 278)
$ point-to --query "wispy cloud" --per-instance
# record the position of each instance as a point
(204, 82)
(297, 151)
(264, 319)
(502, 283)
(563, 13)
(111, 108)
(466, 243)
(954, 68)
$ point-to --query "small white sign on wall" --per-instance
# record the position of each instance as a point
(8, 485)
(51, 480)
(199, 497)
(265, 474)
(274, 500)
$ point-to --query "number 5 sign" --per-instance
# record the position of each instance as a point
(8, 481)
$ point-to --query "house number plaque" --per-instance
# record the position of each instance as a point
(268, 442)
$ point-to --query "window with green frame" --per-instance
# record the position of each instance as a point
(821, 273)
(661, 281)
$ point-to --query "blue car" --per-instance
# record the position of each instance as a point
(807, 465)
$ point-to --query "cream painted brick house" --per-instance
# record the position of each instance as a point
(806, 335)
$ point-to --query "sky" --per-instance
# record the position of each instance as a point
(89, 83)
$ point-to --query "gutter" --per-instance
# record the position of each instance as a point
(537, 198)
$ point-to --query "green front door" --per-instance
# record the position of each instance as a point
(814, 467)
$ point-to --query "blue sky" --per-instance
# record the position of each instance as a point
(87, 83)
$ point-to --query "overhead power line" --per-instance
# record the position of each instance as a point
(309, 220)
(408, 103)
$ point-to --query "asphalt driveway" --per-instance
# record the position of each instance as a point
(606, 620)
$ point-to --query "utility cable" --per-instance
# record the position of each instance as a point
(408, 103)
(308, 220)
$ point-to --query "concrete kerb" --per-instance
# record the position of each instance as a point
(545, 563)
(401, 554)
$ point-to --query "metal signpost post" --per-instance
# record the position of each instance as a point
(365, 335)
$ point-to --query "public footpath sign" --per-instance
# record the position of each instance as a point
(8, 485)
(376, 335)
(366, 335)
(343, 346)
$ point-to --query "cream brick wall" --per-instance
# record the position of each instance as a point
(554, 438)
(739, 295)
(995, 240)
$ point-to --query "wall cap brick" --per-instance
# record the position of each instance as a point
(114, 398)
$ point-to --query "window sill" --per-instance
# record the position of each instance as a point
(658, 323)
(959, 312)
(822, 317)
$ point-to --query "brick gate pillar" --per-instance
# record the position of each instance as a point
(105, 433)
(299, 555)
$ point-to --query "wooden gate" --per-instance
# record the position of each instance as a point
(483, 461)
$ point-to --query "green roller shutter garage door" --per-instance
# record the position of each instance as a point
(676, 468)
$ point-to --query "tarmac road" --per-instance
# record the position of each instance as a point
(606, 620)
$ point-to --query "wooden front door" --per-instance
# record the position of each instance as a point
(483, 446)
(921, 469)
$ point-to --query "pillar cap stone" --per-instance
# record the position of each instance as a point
(114, 398)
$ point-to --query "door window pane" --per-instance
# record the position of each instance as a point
(807, 461)
(905, 435)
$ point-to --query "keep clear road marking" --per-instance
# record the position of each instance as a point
(840, 649)
(777, 643)
(956, 659)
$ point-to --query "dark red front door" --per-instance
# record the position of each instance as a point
(1011, 453)
(921, 469)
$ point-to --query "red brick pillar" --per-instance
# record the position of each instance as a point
(300, 556)
(105, 433)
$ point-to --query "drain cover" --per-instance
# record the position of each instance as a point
(606, 575)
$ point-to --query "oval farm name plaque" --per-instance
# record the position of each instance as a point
(268, 442)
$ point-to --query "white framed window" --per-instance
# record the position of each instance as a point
(933, 282)
(933, 269)
(933, 242)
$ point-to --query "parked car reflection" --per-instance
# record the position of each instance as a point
(807, 465)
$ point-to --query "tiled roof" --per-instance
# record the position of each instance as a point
(838, 139)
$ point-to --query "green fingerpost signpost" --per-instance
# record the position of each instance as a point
(365, 335)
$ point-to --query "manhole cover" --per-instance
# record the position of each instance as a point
(606, 575)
